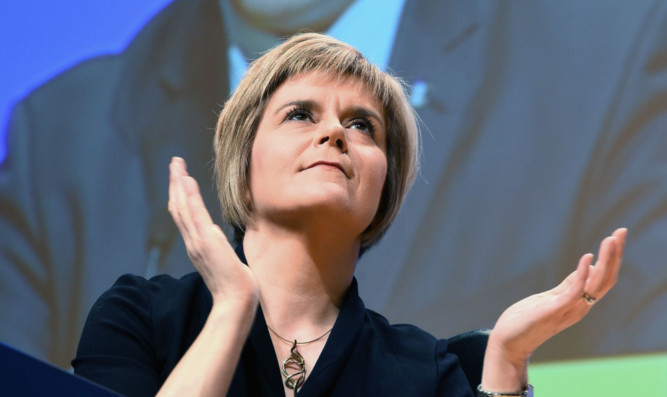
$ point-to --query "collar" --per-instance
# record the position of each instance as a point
(373, 33)
(433, 38)
(370, 28)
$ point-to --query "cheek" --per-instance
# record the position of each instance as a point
(381, 176)
(271, 165)
(257, 176)
(381, 166)
(377, 173)
(262, 161)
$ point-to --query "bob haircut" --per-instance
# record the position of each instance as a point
(241, 115)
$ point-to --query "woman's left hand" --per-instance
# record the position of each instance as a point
(527, 324)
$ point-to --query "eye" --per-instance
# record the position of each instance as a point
(298, 114)
(362, 124)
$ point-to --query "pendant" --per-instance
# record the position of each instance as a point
(295, 363)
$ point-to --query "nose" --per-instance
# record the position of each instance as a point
(334, 134)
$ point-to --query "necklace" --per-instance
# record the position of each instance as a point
(295, 362)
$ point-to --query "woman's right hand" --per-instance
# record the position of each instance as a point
(227, 278)
(208, 366)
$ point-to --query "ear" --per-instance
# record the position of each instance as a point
(247, 196)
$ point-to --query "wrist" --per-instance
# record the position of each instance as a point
(507, 351)
(527, 391)
(245, 296)
(239, 311)
(503, 370)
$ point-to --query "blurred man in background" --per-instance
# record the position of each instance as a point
(544, 130)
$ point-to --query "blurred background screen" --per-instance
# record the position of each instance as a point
(543, 130)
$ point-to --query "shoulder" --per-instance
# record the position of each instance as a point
(152, 322)
(85, 79)
(403, 343)
(162, 295)
(410, 352)
(402, 334)
(160, 282)
(100, 72)
(163, 310)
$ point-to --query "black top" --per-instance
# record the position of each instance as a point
(139, 329)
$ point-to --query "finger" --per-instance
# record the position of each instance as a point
(576, 279)
(180, 173)
(616, 256)
(600, 271)
(173, 204)
(604, 273)
(581, 276)
(175, 172)
(620, 235)
(199, 232)
(201, 219)
(179, 207)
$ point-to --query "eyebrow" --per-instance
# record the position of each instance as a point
(365, 112)
(306, 104)
(356, 110)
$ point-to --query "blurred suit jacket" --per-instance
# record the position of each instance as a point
(544, 130)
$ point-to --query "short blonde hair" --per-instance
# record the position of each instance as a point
(241, 115)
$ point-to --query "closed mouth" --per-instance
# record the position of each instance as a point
(328, 164)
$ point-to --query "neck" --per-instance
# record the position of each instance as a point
(302, 279)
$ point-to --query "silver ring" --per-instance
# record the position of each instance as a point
(589, 299)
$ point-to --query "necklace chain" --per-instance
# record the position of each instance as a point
(289, 342)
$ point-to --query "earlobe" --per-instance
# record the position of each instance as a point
(247, 197)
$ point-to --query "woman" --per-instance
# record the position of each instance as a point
(315, 152)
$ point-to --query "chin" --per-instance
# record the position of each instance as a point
(327, 203)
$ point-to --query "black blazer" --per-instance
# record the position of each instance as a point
(138, 331)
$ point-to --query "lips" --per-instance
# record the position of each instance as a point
(328, 164)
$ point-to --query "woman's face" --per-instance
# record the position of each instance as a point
(319, 153)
